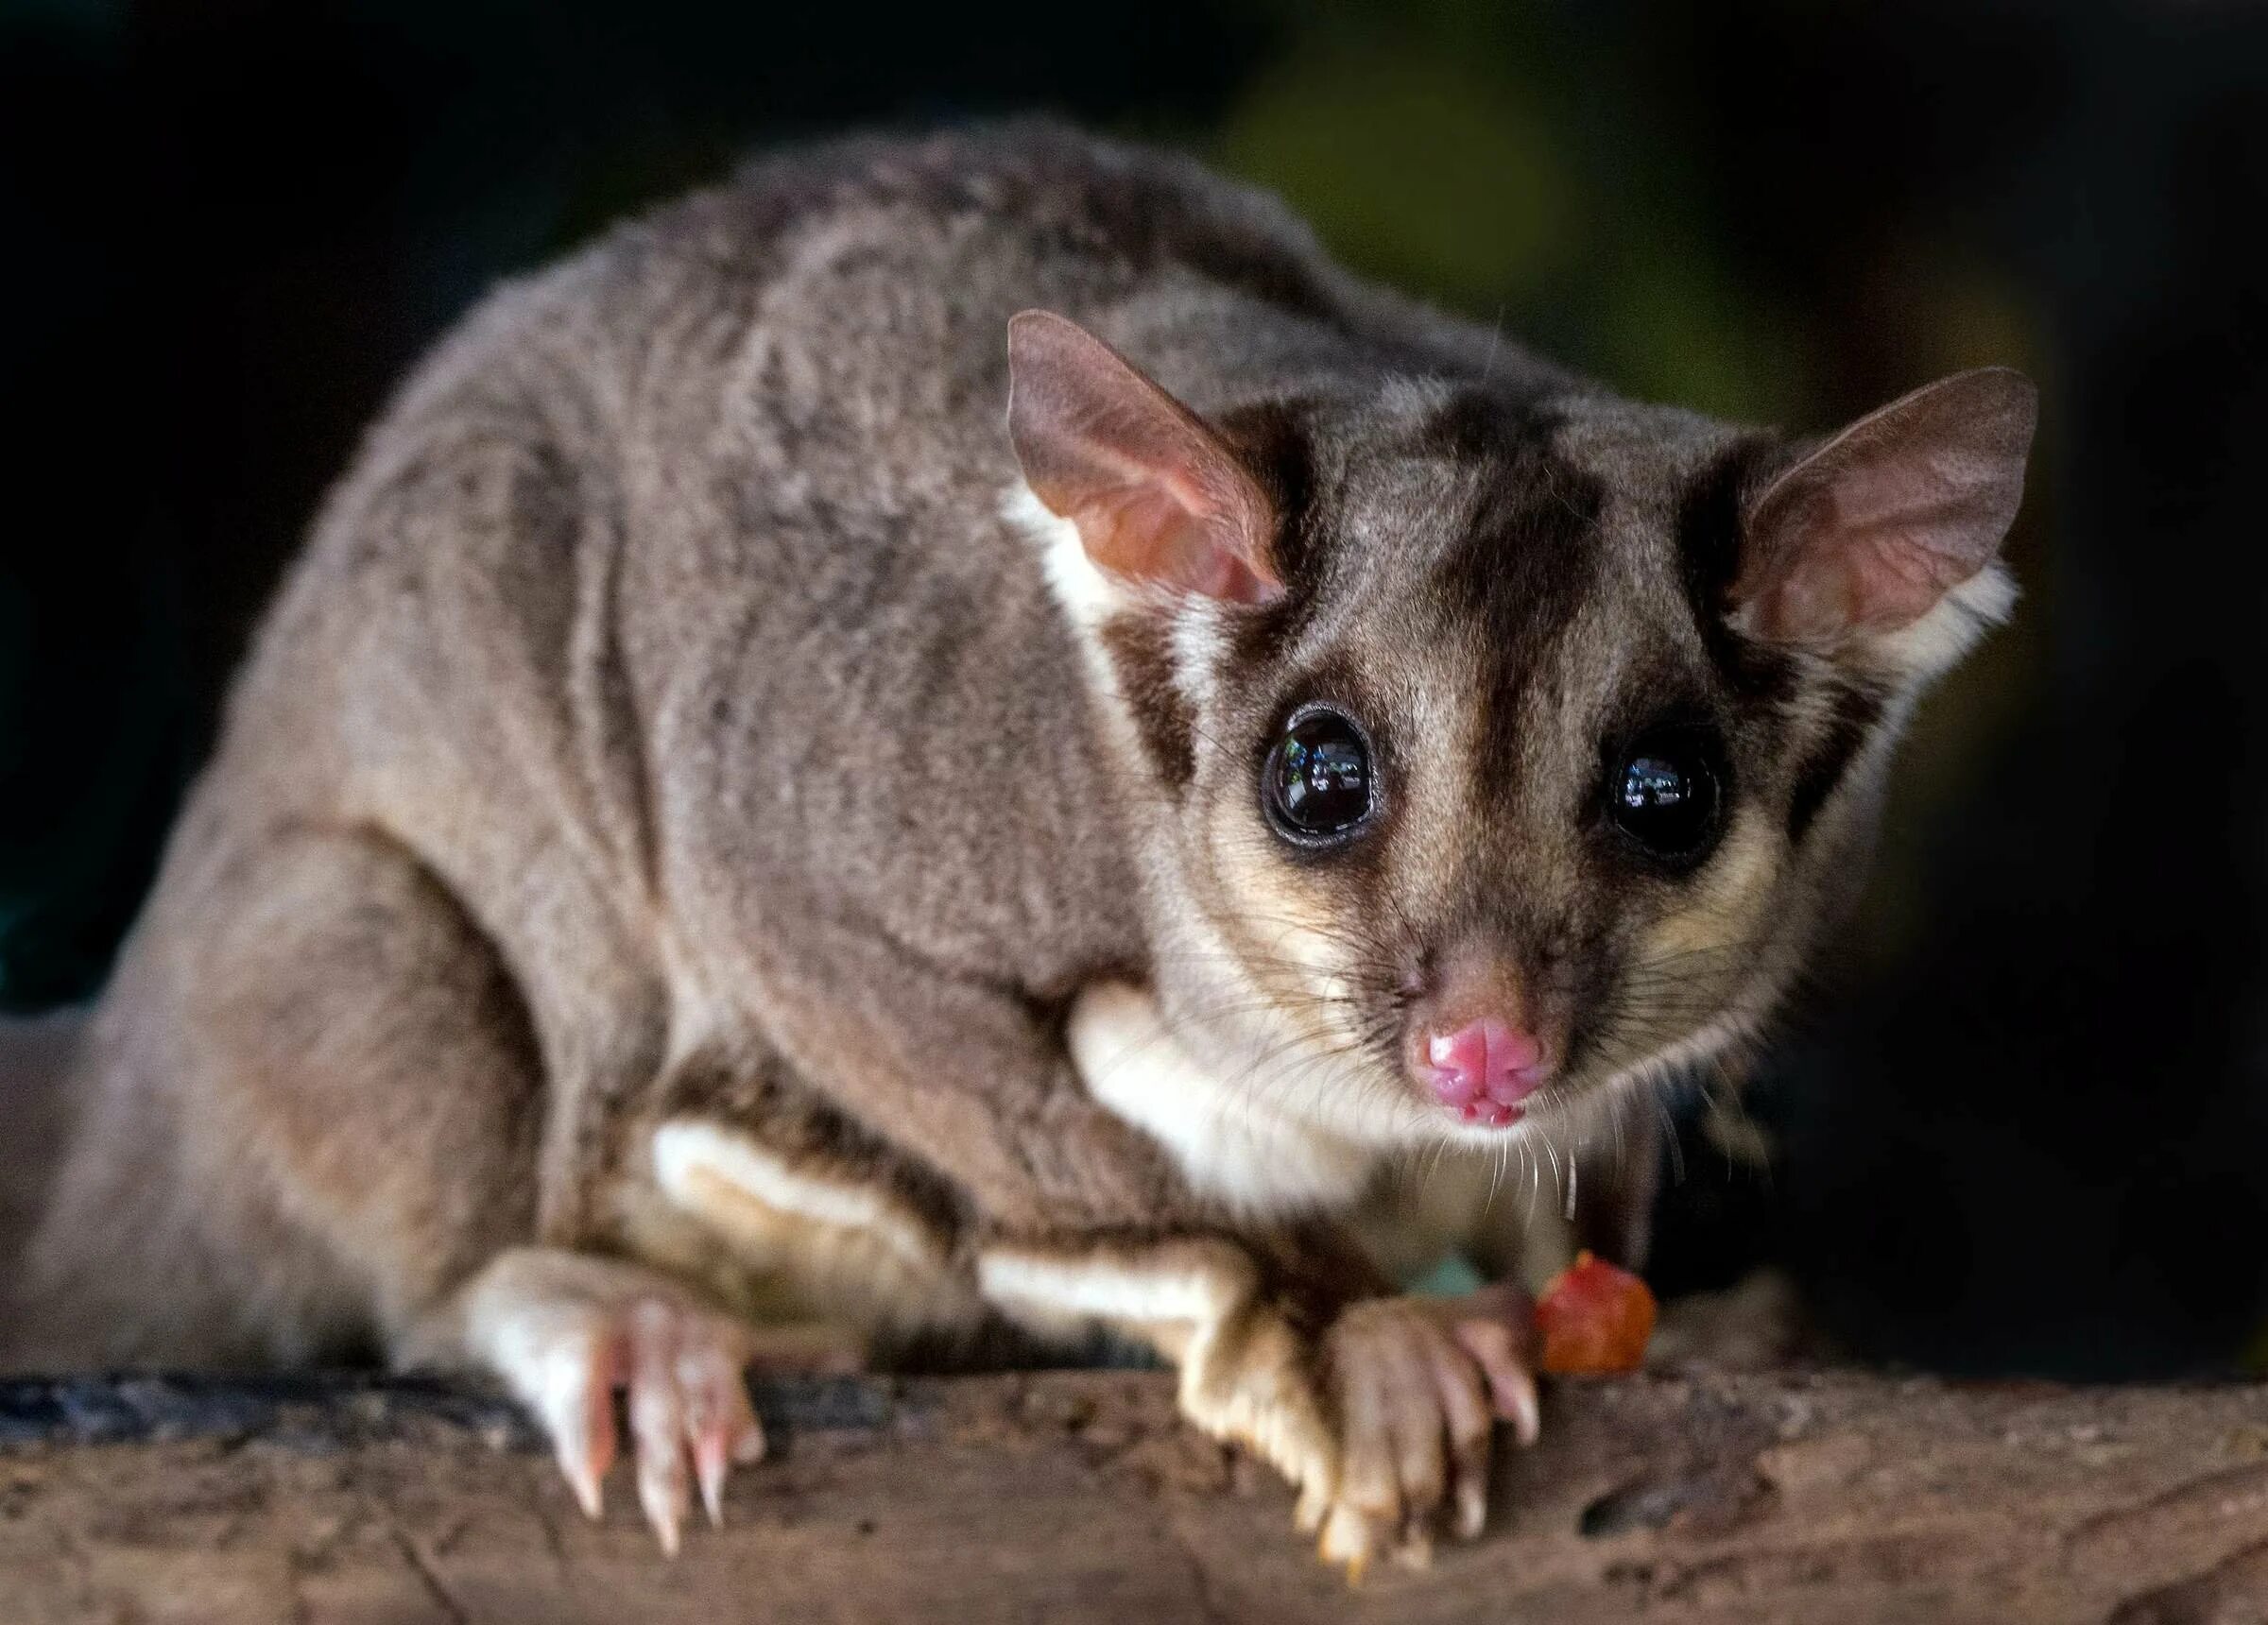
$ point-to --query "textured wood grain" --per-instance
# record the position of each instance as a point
(1077, 1495)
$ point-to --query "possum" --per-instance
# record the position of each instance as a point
(966, 731)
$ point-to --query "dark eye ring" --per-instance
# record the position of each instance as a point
(1317, 785)
(1665, 794)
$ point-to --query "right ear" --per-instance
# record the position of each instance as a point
(1159, 500)
(1867, 534)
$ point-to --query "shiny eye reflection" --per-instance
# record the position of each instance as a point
(1665, 796)
(1316, 785)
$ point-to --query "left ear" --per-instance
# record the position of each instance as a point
(1867, 534)
(1159, 500)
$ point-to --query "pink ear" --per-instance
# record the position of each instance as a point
(1868, 532)
(1157, 497)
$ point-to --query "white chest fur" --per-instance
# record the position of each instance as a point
(1223, 1131)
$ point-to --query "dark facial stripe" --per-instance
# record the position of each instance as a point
(1143, 656)
(1476, 425)
(1529, 554)
(1855, 713)
(1273, 448)
(1709, 540)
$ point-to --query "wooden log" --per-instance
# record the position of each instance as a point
(1835, 1496)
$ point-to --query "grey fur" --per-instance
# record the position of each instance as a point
(663, 696)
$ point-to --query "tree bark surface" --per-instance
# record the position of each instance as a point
(1836, 1497)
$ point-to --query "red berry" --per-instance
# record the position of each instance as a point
(1594, 1318)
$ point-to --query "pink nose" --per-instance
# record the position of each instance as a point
(1485, 1069)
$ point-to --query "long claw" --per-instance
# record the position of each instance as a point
(710, 1464)
(1511, 1387)
(1473, 1508)
(584, 1471)
(719, 1421)
(570, 1387)
(1520, 1405)
(658, 1501)
(1348, 1539)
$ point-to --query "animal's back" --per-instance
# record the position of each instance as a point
(767, 416)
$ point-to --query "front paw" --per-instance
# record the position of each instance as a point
(1384, 1423)
(1416, 1385)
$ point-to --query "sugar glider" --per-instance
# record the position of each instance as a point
(967, 730)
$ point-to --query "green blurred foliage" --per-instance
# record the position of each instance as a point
(1486, 154)
(1423, 169)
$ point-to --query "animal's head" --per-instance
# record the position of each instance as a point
(1492, 748)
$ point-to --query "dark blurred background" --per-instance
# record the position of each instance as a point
(2027, 1131)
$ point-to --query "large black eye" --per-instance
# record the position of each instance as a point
(1317, 784)
(1665, 794)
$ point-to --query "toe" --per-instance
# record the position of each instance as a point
(719, 1425)
(749, 1445)
(657, 1409)
(1352, 1539)
(1468, 1425)
(1414, 1423)
(1511, 1387)
(1496, 1327)
(567, 1377)
(1369, 1511)
(711, 1449)
(1369, 1479)
(586, 1440)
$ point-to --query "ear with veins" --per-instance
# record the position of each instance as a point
(1867, 533)
(1159, 500)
